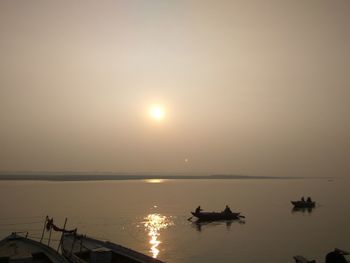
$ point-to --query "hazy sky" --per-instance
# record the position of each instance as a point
(248, 87)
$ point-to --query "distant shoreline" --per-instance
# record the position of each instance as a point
(75, 177)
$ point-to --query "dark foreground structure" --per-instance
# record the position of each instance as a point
(75, 248)
(82, 249)
(16, 248)
(336, 256)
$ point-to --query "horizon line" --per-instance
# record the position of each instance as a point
(116, 177)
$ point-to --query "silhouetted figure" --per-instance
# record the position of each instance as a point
(227, 210)
(198, 209)
(303, 199)
(309, 199)
(335, 257)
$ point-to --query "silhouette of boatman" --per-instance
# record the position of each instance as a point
(198, 209)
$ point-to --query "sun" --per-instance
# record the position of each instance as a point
(157, 112)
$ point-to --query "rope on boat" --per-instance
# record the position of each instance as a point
(21, 217)
(23, 223)
(20, 230)
(50, 225)
(37, 237)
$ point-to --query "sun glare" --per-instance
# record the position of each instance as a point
(157, 112)
(154, 181)
(154, 223)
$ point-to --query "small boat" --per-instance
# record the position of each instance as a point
(303, 204)
(16, 248)
(214, 216)
(82, 249)
(338, 255)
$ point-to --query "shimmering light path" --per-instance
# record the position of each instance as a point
(153, 224)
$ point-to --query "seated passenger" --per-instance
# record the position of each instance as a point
(227, 210)
(309, 199)
(303, 199)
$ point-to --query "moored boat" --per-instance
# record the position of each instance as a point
(17, 248)
(82, 249)
(214, 216)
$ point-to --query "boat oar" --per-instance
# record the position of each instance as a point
(190, 218)
(241, 216)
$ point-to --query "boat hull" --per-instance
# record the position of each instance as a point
(78, 248)
(16, 248)
(302, 204)
(215, 216)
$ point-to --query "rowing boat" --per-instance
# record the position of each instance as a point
(214, 216)
(303, 204)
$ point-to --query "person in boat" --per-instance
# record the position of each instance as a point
(335, 257)
(198, 209)
(308, 200)
(227, 210)
(303, 199)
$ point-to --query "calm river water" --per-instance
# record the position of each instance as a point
(151, 216)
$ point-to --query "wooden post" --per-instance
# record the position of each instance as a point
(75, 237)
(64, 228)
(81, 243)
(42, 235)
(48, 242)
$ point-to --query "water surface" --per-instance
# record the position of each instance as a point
(151, 216)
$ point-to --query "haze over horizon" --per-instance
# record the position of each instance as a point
(183, 87)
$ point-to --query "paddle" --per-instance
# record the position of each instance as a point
(190, 218)
(241, 216)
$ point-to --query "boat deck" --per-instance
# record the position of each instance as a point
(79, 248)
(20, 249)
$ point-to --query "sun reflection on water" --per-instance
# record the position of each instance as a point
(154, 181)
(153, 224)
